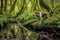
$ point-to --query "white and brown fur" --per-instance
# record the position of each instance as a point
(41, 15)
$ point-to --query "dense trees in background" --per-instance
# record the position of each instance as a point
(16, 17)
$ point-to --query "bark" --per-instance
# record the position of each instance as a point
(21, 10)
(5, 5)
(1, 9)
(44, 5)
(13, 6)
(1, 4)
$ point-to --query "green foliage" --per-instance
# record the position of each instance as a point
(27, 16)
(23, 10)
(4, 18)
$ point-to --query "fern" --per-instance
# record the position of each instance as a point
(3, 18)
